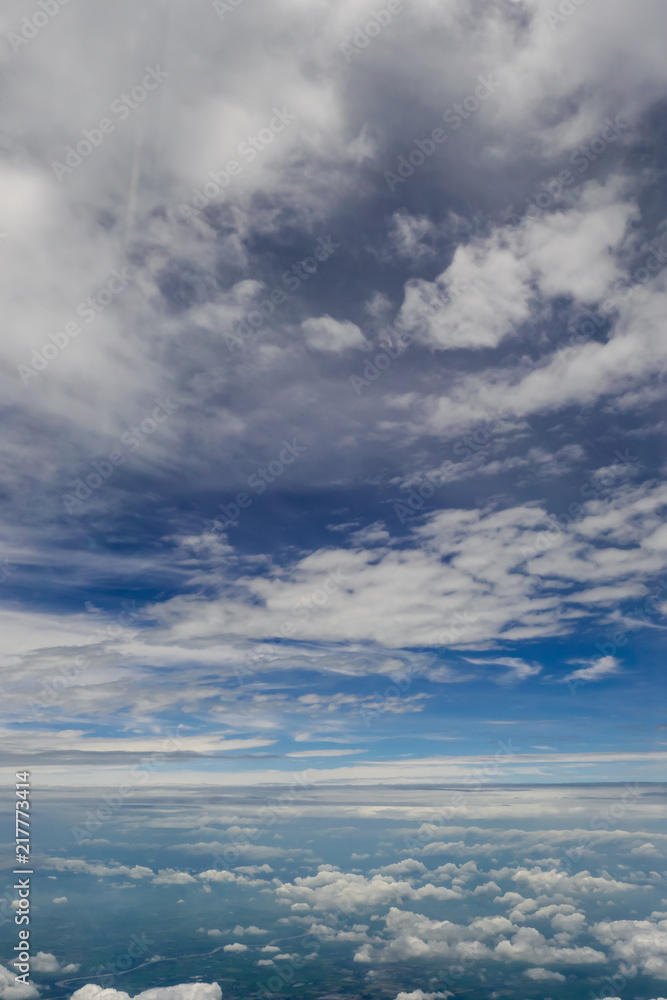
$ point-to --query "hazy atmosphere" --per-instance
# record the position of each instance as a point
(333, 553)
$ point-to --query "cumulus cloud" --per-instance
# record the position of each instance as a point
(409, 866)
(346, 891)
(544, 975)
(411, 936)
(539, 880)
(169, 876)
(11, 990)
(488, 289)
(421, 995)
(641, 944)
(43, 961)
(185, 991)
(328, 334)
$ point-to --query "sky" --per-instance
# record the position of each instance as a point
(334, 376)
(334, 383)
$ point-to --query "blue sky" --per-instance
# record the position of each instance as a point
(334, 381)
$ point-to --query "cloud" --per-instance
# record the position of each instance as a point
(638, 943)
(488, 290)
(335, 890)
(647, 850)
(43, 961)
(409, 866)
(213, 875)
(544, 975)
(421, 995)
(235, 947)
(169, 876)
(411, 936)
(606, 666)
(185, 991)
(328, 334)
(538, 880)
(80, 866)
(517, 669)
(11, 990)
(502, 599)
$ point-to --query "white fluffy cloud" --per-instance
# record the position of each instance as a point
(544, 975)
(488, 289)
(185, 991)
(11, 990)
(410, 866)
(641, 944)
(539, 880)
(490, 571)
(606, 666)
(421, 995)
(348, 892)
(411, 936)
(169, 876)
(43, 961)
(334, 336)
